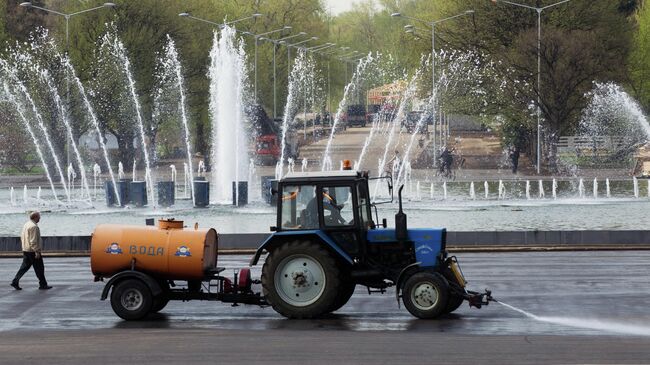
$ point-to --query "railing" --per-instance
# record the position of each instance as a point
(579, 144)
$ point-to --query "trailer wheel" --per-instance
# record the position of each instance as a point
(159, 303)
(131, 299)
(300, 280)
(425, 295)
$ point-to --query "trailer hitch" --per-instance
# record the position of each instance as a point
(477, 299)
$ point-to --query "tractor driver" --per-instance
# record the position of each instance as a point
(329, 204)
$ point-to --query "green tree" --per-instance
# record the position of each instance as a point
(640, 58)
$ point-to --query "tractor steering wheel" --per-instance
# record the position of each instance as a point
(335, 218)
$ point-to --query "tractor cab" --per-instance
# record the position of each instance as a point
(334, 204)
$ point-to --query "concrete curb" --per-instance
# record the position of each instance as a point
(488, 241)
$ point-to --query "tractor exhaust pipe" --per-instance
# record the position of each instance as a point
(401, 230)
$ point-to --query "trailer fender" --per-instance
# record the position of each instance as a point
(401, 277)
(313, 235)
(132, 274)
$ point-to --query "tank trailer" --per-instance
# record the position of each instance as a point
(323, 245)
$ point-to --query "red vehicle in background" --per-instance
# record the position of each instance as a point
(268, 149)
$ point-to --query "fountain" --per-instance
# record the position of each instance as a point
(595, 188)
(72, 74)
(396, 124)
(502, 190)
(229, 140)
(607, 191)
(540, 186)
(23, 118)
(554, 187)
(486, 187)
(349, 88)
(472, 193)
(444, 190)
(171, 76)
(635, 183)
(64, 117)
(527, 190)
(97, 170)
(581, 188)
(148, 178)
(10, 71)
(72, 175)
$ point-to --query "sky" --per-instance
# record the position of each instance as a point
(339, 6)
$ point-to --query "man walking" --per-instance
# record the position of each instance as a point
(32, 244)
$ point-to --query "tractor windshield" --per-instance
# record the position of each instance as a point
(299, 207)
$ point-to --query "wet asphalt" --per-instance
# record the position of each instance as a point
(589, 307)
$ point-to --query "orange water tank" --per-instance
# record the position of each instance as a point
(168, 251)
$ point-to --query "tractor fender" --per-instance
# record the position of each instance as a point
(279, 238)
(132, 274)
(401, 277)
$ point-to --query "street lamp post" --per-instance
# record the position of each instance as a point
(539, 64)
(257, 37)
(289, 54)
(275, 44)
(313, 49)
(67, 16)
(434, 99)
(220, 25)
(343, 58)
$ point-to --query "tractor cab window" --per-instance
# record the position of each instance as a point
(299, 207)
(338, 206)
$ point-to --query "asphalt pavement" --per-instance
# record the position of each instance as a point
(579, 307)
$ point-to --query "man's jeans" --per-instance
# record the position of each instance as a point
(29, 260)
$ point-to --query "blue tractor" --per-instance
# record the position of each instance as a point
(326, 243)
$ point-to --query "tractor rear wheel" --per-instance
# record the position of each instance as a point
(454, 302)
(344, 295)
(300, 279)
(425, 295)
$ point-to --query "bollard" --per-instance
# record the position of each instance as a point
(166, 193)
(138, 193)
(240, 194)
(123, 189)
(201, 192)
(266, 188)
(111, 199)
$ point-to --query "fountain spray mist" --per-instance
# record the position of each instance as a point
(592, 324)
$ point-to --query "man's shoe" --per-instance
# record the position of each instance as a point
(46, 287)
(15, 286)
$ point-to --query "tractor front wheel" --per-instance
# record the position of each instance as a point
(300, 279)
(425, 295)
